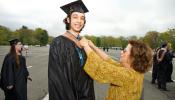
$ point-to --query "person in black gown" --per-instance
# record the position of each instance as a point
(163, 62)
(14, 73)
(66, 78)
(171, 55)
(155, 66)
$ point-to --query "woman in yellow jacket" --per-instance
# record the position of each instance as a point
(125, 77)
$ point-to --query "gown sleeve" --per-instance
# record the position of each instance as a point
(26, 71)
(9, 73)
(107, 71)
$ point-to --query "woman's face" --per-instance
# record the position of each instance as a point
(18, 46)
(125, 55)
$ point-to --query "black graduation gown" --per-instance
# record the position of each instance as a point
(67, 80)
(170, 66)
(162, 69)
(11, 75)
(155, 67)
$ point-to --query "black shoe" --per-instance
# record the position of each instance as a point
(170, 81)
(164, 89)
(159, 87)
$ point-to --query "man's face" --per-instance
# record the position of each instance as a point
(77, 21)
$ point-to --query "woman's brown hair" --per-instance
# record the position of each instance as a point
(13, 53)
(141, 56)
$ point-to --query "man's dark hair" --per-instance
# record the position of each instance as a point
(13, 53)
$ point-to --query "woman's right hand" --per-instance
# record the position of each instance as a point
(84, 42)
(85, 45)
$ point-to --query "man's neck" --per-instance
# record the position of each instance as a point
(74, 33)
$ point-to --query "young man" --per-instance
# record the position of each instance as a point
(67, 79)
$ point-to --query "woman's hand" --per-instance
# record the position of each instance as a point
(29, 78)
(10, 87)
(84, 42)
(85, 45)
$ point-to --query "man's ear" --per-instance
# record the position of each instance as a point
(68, 20)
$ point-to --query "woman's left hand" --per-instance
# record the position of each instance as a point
(29, 78)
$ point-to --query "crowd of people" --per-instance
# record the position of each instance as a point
(162, 65)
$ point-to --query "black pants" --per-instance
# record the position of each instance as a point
(162, 77)
(154, 72)
(169, 72)
(10, 95)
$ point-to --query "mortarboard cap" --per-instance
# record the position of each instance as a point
(14, 41)
(76, 6)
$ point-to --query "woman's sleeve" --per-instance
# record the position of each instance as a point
(10, 72)
(26, 70)
(113, 62)
(106, 71)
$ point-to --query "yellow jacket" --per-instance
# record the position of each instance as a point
(125, 84)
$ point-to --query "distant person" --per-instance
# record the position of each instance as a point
(104, 48)
(107, 49)
(14, 73)
(125, 78)
(26, 49)
(163, 63)
(155, 66)
(171, 55)
(66, 76)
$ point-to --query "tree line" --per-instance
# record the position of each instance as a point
(40, 36)
(153, 38)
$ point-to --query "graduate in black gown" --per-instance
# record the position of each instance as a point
(14, 73)
(163, 62)
(155, 66)
(66, 77)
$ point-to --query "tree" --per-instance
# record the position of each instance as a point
(151, 38)
(5, 34)
(25, 35)
(42, 36)
(50, 39)
(98, 41)
(123, 42)
(171, 33)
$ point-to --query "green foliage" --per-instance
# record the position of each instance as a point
(171, 33)
(110, 41)
(5, 34)
(40, 36)
(26, 35)
(151, 38)
(50, 39)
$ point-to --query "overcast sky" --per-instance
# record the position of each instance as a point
(105, 17)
